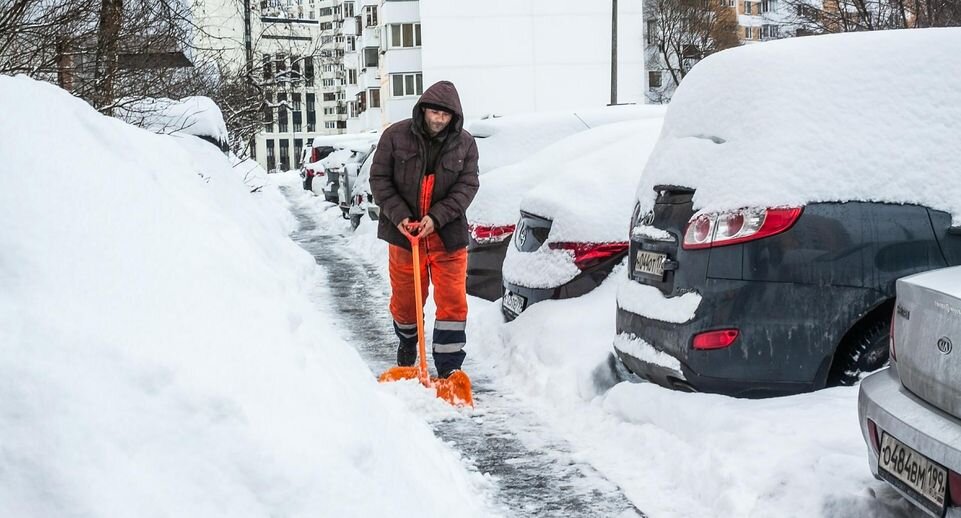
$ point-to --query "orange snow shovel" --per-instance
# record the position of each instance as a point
(455, 389)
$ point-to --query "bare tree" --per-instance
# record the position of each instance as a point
(682, 32)
(830, 16)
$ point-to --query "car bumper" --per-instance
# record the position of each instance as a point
(783, 346)
(910, 420)
(484, 263)
(580, 285)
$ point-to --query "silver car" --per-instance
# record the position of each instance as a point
(910, 413)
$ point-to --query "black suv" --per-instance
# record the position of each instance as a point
(791, 299)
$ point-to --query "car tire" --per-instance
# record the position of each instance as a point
(864, 349)
(307, 182)
(355, 220)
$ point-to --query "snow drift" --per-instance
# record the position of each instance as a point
(159, 354)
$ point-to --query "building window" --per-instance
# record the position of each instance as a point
(252, 146)
(282, 113)
(747, 33)
(403, 85)
(374, 97)
(654, 79)
(351, 76)
(284, 155)
(268, 115)
(370, 16)
(311, 113)
(371, 57)
(747, 8)
(271, 157)
(309, 70)
(651, 31)
(350, 43)
(405, 35)
(268, 69)
(348, 9)
(298, 150)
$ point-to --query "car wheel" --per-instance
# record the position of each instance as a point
(355, 220)
(307, 182)
(865, 349)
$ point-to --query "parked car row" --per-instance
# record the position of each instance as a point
(774, 241)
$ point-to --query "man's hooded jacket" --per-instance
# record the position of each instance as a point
(401, 163)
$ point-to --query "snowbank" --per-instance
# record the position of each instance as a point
(878, 121)
(509, 139)
(159, 353)
(673, 453)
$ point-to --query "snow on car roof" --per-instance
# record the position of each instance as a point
(198, 116)
(859, 116)
(502, 189)
(509, 139)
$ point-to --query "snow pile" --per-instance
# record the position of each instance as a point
(673, 453)
(506, 140)
(198, 116)
(878, 121)
(159, 353)
(589, 200)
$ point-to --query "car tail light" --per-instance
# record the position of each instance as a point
(728, 228)
(359, 200)
(314, 154)
(873, 435)
(715, 339)
(954, 487)
(587, 255)
(485, 234)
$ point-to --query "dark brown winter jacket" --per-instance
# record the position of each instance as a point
(400, 164)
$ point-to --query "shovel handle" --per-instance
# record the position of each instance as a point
(422, 373)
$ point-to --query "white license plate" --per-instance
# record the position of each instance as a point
(514, 303)
(913, 472)
(650, 264)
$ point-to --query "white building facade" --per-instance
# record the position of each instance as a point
(503, 56)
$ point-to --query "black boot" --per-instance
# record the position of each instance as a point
(447, 363)
(407, 354)
(407, 348)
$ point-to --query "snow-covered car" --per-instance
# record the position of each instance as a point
(493, 213)
(350, 176)
(571, 234)
(326, 173)
(910, 413)
(361, 199)
(770, 230)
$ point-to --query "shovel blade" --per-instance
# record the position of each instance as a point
(455, 389)
(398, 374)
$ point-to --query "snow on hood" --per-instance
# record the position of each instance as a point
(589, 200)
(512, 138)
(160, 353)
(859, 116)
(198, 116)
